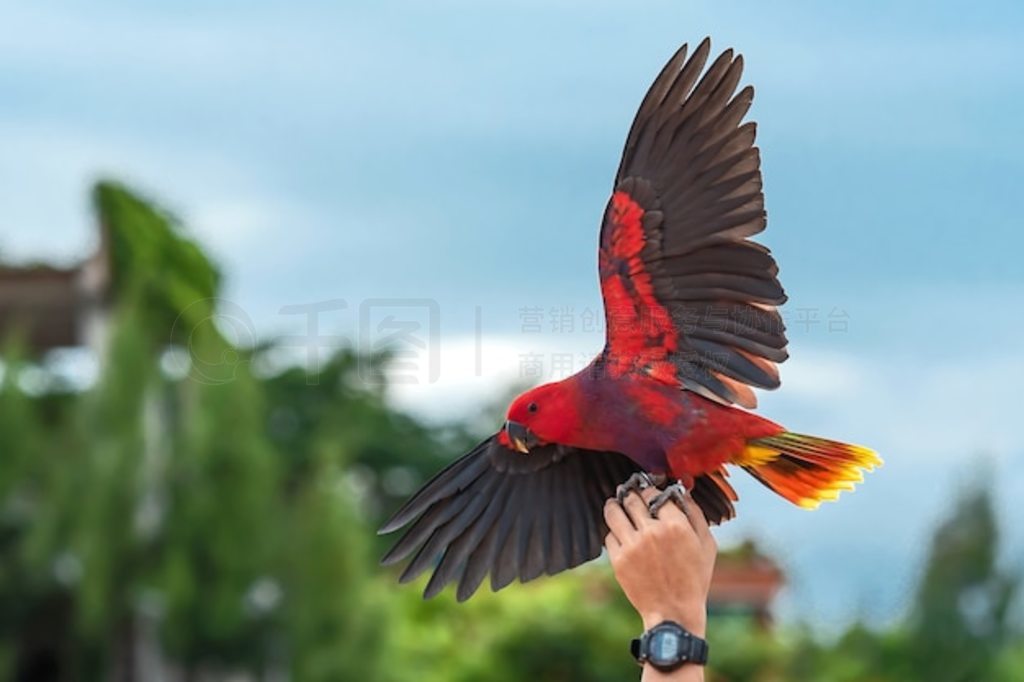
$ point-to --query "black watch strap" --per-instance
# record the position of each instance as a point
(668, 645)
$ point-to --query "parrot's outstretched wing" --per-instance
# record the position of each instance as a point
(495, 510)
(688, 298)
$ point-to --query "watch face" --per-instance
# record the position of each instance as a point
(664, 647)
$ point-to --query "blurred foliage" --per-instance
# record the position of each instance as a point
(223, 517)
(166, 274)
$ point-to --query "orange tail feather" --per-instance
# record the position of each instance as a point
(806, 470)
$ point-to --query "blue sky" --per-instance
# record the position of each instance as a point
(463, 151)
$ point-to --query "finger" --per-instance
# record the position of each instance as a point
(648, 494)
(695, 516)
(636, 506)
(611, 544)
(618, 521)
(672, 511)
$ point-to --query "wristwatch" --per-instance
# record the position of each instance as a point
(669, 645)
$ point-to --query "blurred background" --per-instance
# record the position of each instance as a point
(266, 267)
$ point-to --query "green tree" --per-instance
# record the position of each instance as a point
(219, 527)
(155, 265)
(102, 505)
(333, 616)
(960, 617)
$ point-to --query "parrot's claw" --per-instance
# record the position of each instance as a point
(640, 480)
(673, 493)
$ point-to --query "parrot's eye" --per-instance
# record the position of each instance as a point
(532, 407)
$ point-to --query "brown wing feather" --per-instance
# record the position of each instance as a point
(688, 298)
(513, 516)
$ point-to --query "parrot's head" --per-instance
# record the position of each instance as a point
(539, 416)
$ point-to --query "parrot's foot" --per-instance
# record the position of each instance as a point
(673, 493)
(641, 480)
(638, 481)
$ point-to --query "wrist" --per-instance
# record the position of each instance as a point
(693, 618)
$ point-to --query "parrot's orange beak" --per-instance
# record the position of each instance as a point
(522, 438)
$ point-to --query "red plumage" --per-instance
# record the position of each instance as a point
(692, 326)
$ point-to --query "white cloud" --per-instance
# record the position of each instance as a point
(463, 387)
(820, 375)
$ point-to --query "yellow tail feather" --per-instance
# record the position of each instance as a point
(806, 470)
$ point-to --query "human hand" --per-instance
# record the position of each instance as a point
(663, 564)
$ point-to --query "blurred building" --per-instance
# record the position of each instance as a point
(52, 307)
(745, 583)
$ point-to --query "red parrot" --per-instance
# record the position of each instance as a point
(691, 319)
